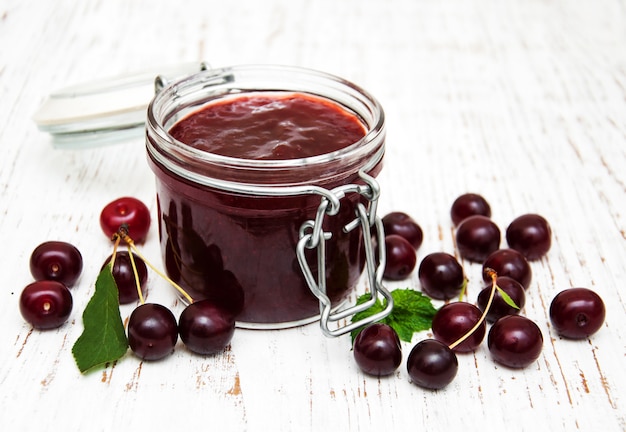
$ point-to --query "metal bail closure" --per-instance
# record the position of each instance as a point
(312, 236)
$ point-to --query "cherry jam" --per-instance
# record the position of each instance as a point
(240, 166)
(270, 126)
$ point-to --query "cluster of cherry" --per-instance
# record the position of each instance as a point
(458, 327)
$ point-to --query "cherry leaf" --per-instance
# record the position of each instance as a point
(103, 339)
(507, 298)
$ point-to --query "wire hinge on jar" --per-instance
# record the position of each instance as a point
(313, 236)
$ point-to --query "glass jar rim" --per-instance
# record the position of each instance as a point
(186, 95)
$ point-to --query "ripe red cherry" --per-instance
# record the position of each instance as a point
(432, 364)
(152, 331)
(441, 276)
(515, 341)
(205, 328)
(126, 211)
(453, 320)
(125, 276)
(403, 225)
(401, 258)
(377, 350)
(576, 313)
(499, 307)
(510, 263)
(531, 235)
(477, 237)
(58, 261)
(467, 205)
(46, 304)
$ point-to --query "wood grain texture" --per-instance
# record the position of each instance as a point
(522, 101)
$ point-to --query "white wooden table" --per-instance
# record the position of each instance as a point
(521, 101)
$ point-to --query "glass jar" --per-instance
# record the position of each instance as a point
(229, 227)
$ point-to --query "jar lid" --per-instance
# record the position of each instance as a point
(105, 111)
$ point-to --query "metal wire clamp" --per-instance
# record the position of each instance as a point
(313, 236)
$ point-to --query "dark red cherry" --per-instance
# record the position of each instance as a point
(454, 320)
(432, 364)
(206, 328)
(152, 331)
(510, 263)
(46, 304)
(441, 276)
(58, 261)
(577, 313)
(124, 276)
(405, 226)
(467, 205)
(531, 235)
(477, 237)
(499, 307)
(377, 350)
(401, 258)
(515, 341)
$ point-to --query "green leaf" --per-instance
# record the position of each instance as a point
(507, 298)
(103, 339)
(412, 312)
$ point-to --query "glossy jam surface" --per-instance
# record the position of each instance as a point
(239, 249)
(270, 126)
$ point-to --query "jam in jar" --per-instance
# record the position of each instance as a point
(243, 157)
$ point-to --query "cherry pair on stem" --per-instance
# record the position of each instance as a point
(153, 330)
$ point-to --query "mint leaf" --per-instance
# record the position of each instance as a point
(412, 312)
(103, 339)
(374, 309)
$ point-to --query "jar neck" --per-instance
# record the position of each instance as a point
(265, 177)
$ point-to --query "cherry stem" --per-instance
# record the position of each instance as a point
(493, 275)
(123, 234)
(136, 274)
(115, 246)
